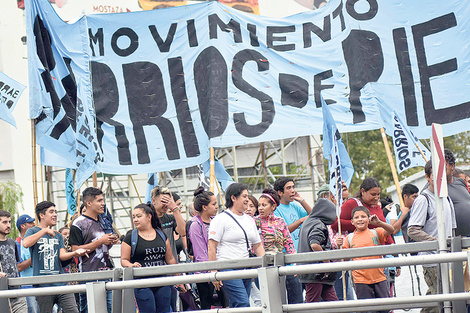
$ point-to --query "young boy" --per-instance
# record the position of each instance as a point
(47, 250)
(370, 283)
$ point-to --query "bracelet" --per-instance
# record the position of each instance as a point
(302, 200)
(174, 209)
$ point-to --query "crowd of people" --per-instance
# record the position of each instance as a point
(280, 220)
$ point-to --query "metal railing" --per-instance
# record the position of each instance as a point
(270, 269)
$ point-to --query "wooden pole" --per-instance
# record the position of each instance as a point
(135, 187)
(310, 163)
(78, 201)
(421, 151)
(392, 166)
(212, 169)
(34, 163)
(95, 180)
(42, 183)
(338, 213)
(263, 163)
(49, 183)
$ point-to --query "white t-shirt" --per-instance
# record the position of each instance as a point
(392, 215)
(230, 236)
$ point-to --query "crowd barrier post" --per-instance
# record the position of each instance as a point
(117, 294)
(279, 261)
(96, 297)
(271, 290)
(457, 276)
(128, 302)
(4, 302)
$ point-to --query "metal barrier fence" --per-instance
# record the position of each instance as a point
(270, 269)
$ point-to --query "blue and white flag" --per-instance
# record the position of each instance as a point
(407, 155)
(10, 92)
(87, 150)
(339, 163)
(204, 180)
(152, 181)
(165, 85)
(70, 192)
(221, 174)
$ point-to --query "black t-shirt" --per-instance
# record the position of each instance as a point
(85, 230)
(148, 252)
(168, 222)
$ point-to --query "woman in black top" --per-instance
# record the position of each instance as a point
(152, 249)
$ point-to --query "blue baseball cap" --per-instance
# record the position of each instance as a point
(25, 218)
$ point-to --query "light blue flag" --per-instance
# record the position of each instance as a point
(339, 163)
(70, 192)
(152, 181)
(88, 151)
(404, 141)
(10, 92)
(334, 166)
(221, 174)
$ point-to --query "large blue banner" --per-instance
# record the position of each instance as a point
(167, 84)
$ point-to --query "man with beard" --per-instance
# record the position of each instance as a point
(9, 257)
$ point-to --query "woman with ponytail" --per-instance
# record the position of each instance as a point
(152, 249)
(205, 203)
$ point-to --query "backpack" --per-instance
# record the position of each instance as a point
(135, 237)
(373, 230)
(406, 219)
(189, 244)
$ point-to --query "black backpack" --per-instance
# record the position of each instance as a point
(188, 240)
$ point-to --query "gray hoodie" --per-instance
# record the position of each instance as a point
(314, 230)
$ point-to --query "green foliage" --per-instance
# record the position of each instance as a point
(367, 152)
(10, 196)
(459, 145)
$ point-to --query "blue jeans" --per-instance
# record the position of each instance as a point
(32, 304)
(238, 291)
(294, 290)
(155, 299)
(339, 286)
(109, 302)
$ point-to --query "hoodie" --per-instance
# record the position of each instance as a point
(314, 230)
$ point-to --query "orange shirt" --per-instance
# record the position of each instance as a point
(367, 239)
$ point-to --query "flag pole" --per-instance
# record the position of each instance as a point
(392, 166)
(135, 187)
(34, 163)
(421, 151)
(212, 169)
(338, 213)
(95, 180)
